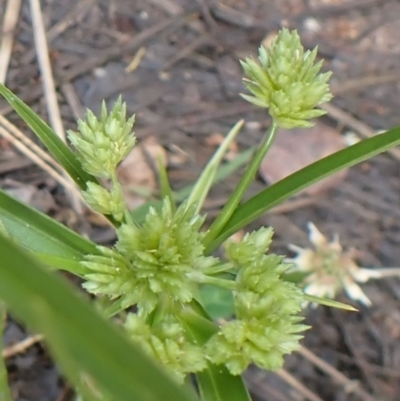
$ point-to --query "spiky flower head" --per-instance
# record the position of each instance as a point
(155, 261)
(105, 201)
(287, 82)
(266, 308)
(329, 269)
(103, 143)
(166, 341)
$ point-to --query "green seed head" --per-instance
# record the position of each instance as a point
(166, 341)
(266, 308)
(104, 201)
(287, 82)
(153, 263)
(103, 143)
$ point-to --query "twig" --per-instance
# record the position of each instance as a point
(36, 159)
(118, 51)
(186, 51)
(7, 35)
(205, 11)
(347, 330)
(21, 346)
(79, 9)
(213, 111)
(53, 109)
(363, 82)
(42, 52)
(137, 58)
(108, 54)
(73, 100)
(12, 129)
(258, 385)
(301, 388)
(350, 386)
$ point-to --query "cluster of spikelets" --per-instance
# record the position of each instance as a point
(287, 82)
(158, 266)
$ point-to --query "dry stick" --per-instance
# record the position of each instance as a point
(7, 35)
(116, 51)
(388, 272)
(260, 388)
(211, 113)
(330, 10)
(42, 52)
(363, 82)
(21, 346)
(205, 10)
(73, 100)
(12, 129)
(79, 10)
(34, 157)
(297, 385)
(355, 351)
(53, 109)
(137, 58)
(349, 386)
(171, 8)
(108, 54)
(186, 51)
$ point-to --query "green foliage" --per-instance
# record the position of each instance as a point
(162, 268)
(84, 343)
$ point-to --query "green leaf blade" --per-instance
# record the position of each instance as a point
(39, 233)
(83, 342)
(282, 190)
(60, 151)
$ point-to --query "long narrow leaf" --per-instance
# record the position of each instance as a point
(223, 172)
(39, 233)
(277, 193)
(84, 344)
(53, 143)
(207, 177)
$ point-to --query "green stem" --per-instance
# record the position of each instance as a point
(216, 269)
(241, 189)
(4, 388)
(127, 216)
(220, 282)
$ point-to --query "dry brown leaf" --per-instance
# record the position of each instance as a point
(297, 148)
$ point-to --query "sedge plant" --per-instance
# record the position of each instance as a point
(147, 334)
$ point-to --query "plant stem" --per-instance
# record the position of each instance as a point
(241, 189)
(4, 388)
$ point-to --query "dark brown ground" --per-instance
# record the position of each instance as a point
(186, 88)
